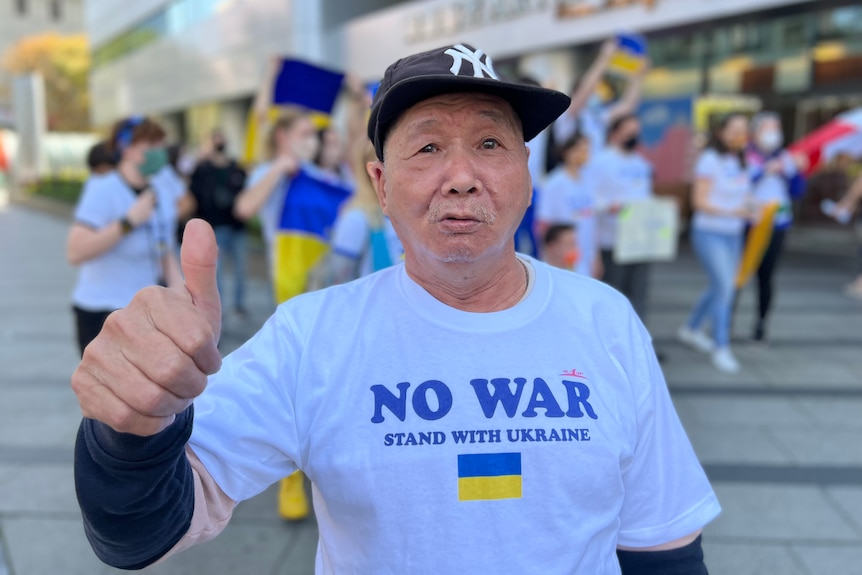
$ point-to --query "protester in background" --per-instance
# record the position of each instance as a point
(588, 112)
(621, 176)
(179, 202)
(100, 159)
(723, 202)
(569, 197)
(215, 185)
(560, 246)
(776, 177)
(122, 234)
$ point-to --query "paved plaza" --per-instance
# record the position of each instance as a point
(782, 441)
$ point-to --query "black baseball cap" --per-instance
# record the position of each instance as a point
(456, 68)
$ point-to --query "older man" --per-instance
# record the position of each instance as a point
(471, 411)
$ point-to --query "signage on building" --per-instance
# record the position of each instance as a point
(453, 18)
(578, 8)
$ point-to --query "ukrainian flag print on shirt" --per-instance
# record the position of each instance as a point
(489, 476)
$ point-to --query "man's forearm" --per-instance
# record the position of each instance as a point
(136, 493)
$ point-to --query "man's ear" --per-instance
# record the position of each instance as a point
(378, 180)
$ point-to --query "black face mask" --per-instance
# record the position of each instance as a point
(631, 143)
(220, 147)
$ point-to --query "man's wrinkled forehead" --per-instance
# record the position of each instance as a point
(433, 112)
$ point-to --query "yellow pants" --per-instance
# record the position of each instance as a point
(292, 500)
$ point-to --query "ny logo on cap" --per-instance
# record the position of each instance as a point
(459, 53)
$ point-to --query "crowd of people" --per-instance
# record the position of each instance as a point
(585, 168)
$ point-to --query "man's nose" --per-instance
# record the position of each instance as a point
(461, 177)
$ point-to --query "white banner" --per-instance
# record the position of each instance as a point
(648, 231)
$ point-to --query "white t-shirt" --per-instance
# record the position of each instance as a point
(171, 187)
(731, 189)
(773, 187)
(530, 440)
(270, 212)
(538, 154)
(351, 236)
(567, 200)
(110, 280)
(619, 178)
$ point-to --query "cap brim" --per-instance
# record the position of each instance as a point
(537, 107)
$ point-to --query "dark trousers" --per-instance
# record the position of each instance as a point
(88, 325)
(766, 271)
(632, 280)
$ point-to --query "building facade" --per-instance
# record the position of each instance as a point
(22, 18)
(197, 63)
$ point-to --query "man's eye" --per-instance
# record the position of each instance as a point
(428, 149)
(490, 144)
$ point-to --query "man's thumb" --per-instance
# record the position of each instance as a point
(199, 261)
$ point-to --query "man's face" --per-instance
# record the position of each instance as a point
(455, 181)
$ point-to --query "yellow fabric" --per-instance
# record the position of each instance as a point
(756, 244)
(293, 256)
(484, 488)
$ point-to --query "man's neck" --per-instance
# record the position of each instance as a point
(479, 286)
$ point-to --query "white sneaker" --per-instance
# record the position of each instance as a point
(723, 360)
(695, 338)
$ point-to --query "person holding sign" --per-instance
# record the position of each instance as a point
(723, 202)
(621, 176)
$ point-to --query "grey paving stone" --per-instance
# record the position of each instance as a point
(830, 560)
(741, 412)
(778, 512)
(849, 501)
(732, 558)
(718, 444)
(38, 489)
(844, 413)
(821, 446)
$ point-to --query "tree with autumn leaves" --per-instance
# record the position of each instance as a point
(64, 63)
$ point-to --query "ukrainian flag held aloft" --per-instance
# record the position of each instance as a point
(488, 476)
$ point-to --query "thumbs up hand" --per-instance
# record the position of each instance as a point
(152, 358)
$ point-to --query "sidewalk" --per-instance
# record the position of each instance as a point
(781, 441)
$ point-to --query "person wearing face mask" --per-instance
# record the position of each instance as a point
(723, 203)
(776, 177)
(560, 246)
(620, 176)
(215, 184)
(121, 235)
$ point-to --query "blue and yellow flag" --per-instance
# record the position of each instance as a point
(631, 54)
(311, 205)
(487, 476)
(297, 84)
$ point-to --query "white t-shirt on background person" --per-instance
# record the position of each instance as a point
(731, 189)
(619, 177)
(110, 280)
(351, 237)
(428, 431)
(566, 200)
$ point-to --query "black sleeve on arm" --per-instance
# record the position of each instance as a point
(686, 560)
(136, 493)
